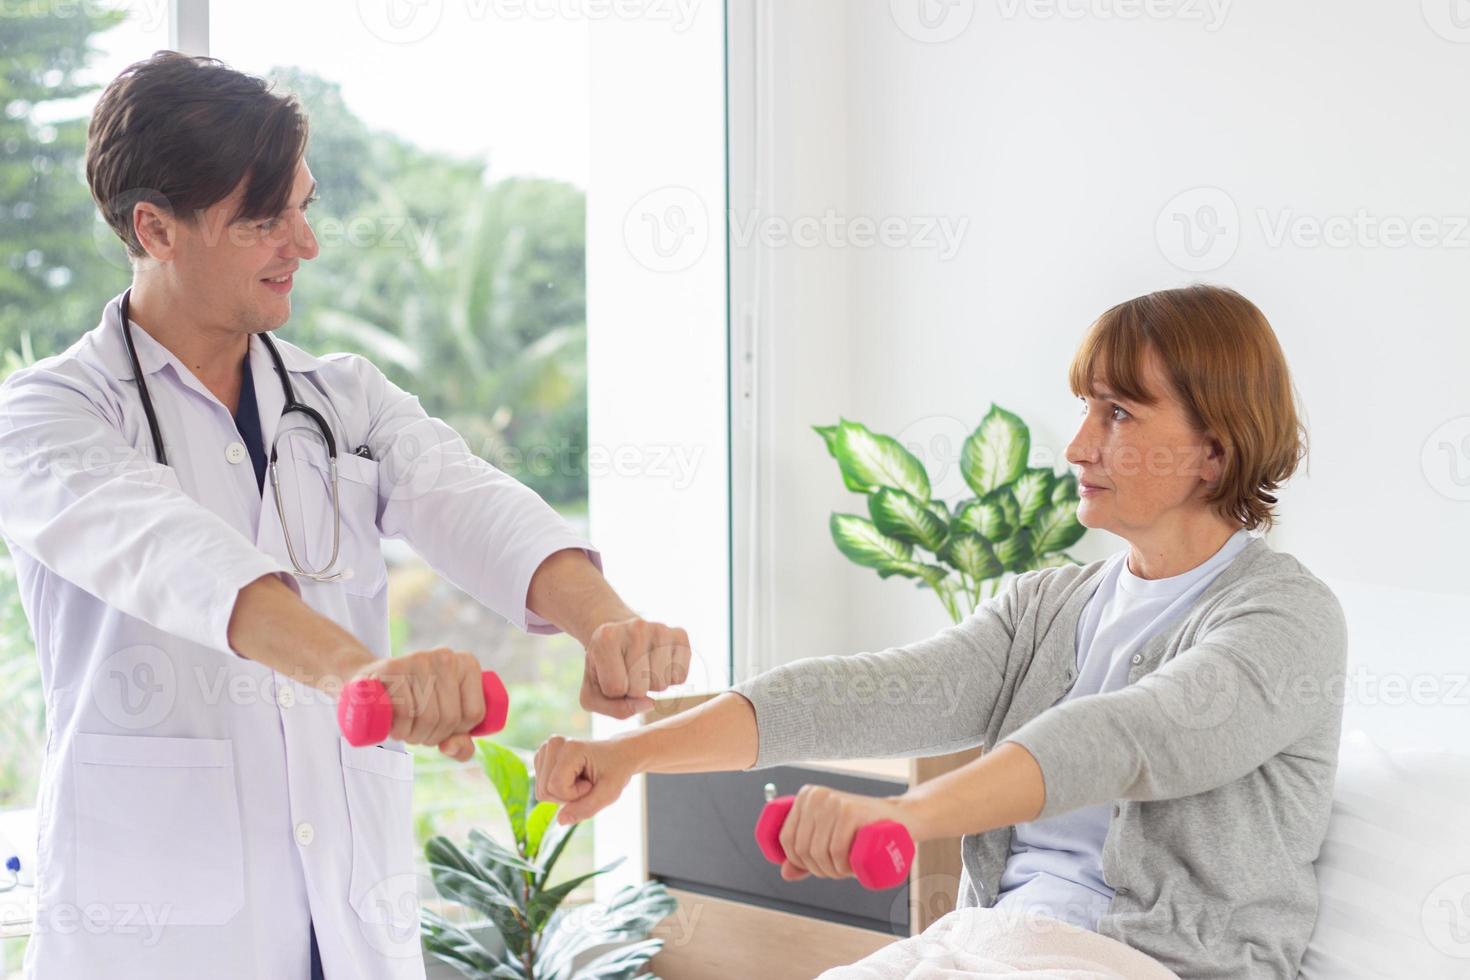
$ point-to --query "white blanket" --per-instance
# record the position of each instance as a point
(984, 943)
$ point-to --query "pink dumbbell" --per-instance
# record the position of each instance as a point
(365, 714)
(880, 855)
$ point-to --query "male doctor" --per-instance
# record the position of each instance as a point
(199, 814)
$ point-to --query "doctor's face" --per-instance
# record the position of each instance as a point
(239, 275)
(1148, 461)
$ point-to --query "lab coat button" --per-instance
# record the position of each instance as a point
(235, 452)
(285, 697)
(305, 832)
(1138, 658)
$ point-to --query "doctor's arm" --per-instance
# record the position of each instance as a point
(496, 539)
(100, 513)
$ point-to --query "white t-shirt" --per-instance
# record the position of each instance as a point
(1055, 865)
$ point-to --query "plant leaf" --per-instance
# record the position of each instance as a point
(869, 461)
(541, 816)
(1006, 500)
(986, 518)
(552, 843)
(545, 901)
(488, 852)
(621, 963)
(1065, 488)
(1058, 528)
(473, 892)
(1016, 552)
(972, 555)
(507, 772)
(1032, 490)
(995, 453)
(629, 916)
(461, 950)
(829, 436)
(906, 517)
(1059, 560)
(861, 541)
(930, 575)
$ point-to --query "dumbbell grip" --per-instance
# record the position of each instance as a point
(365, 712)
(880, 855)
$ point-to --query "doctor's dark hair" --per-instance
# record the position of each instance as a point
(1226, 369)
(181, 132)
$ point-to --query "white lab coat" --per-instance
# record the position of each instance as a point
(197, 809)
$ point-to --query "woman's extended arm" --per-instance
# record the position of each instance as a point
(717, 736)
(1002, 787)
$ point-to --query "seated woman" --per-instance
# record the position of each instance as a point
(1161, 725)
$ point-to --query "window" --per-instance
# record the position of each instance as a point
(484, 183)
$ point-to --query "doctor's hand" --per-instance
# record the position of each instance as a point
(437, 698)
(584, 776)
(819, 830)
(627, 659)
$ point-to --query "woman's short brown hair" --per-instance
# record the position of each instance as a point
(1227, 370)
(182, 132)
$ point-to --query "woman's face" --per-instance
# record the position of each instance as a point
(1150, 466)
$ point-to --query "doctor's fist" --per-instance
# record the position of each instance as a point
(584, 776)
(437, 698)
(626, 660)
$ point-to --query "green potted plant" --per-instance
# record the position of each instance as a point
(533, 936)
(1020, 517)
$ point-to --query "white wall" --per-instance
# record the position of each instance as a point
(656, 344)
(1064, 142)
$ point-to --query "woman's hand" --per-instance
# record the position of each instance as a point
(819, 830)
(584, 776)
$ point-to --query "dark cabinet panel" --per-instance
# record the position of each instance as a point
(701, 837)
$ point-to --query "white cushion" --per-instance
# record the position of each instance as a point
(1394, 871)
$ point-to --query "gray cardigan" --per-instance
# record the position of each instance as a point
(1218, 757)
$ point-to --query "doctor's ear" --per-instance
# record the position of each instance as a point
(156, 229)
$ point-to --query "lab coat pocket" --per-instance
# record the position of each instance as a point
(379, 784)
(157, 829)
(360, 551)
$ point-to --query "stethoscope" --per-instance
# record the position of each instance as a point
(12, 865)
(323, 574)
